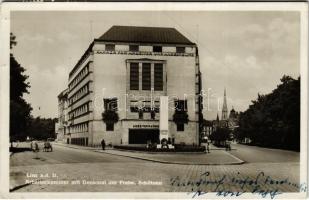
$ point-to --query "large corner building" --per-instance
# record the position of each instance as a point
(115, 88)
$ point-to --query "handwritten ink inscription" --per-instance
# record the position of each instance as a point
(227, 186)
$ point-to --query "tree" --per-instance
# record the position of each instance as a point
(41, 128)
(273, 120)
(19, 109)
(221, 134)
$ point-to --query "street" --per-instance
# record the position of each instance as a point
(62, 154)
(254, 154)
(128, 174)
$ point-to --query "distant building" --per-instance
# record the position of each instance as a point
(227, 121)
(63, 117)
(115, 88)
(233, 119)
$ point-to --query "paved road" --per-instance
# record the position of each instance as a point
(254, 154)
(74, 164)
(65, 155)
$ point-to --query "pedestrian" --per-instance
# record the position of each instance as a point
(228, 145)
(36, 147)
(103, 144)
(208, 143)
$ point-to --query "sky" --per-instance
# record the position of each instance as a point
(246, 52)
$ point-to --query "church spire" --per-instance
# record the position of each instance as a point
(224, 107)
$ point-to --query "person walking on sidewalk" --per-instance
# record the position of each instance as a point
(207, 145)
(103, 144)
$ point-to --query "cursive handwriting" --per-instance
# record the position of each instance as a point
(262, 185)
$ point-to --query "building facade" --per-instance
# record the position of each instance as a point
(115, 88)
(63, 117)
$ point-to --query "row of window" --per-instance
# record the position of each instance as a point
(110, 127)
(146, 75)
(146, 109)
(112, 104)
(80, 141)
(79, 111)
(79, 128)
(135, 48)
(81, 92)
(79, 77)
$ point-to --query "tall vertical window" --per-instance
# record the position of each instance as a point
(180, 127)
(146, 76)
(181, 112)
(109, 127)
(158, 76)
(140, 114)
(134, 76)
(110, 106)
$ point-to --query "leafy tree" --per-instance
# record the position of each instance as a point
(273, 120)
(42, 128)
(19, 109)
(220, 134)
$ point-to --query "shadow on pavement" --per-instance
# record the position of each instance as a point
(19, 149)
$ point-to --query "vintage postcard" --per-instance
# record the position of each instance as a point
(154, 100)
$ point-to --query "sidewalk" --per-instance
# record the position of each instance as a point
(216, 157)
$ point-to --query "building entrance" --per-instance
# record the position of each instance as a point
(141, 136)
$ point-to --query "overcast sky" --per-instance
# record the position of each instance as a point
(245, 52)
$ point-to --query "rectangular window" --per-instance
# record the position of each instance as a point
(109, 127)
(180, 49)
(134, 109)
(133, 48)
(109, 47)
(110, 104)
(158, 77)
(140, 114)
(181, 105)
(134, 76)
(180, 127)
(157, 48)
(146, 76)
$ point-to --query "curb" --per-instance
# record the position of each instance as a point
(240, 162)
(22, 185)
(163, 152)
(76, 147)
